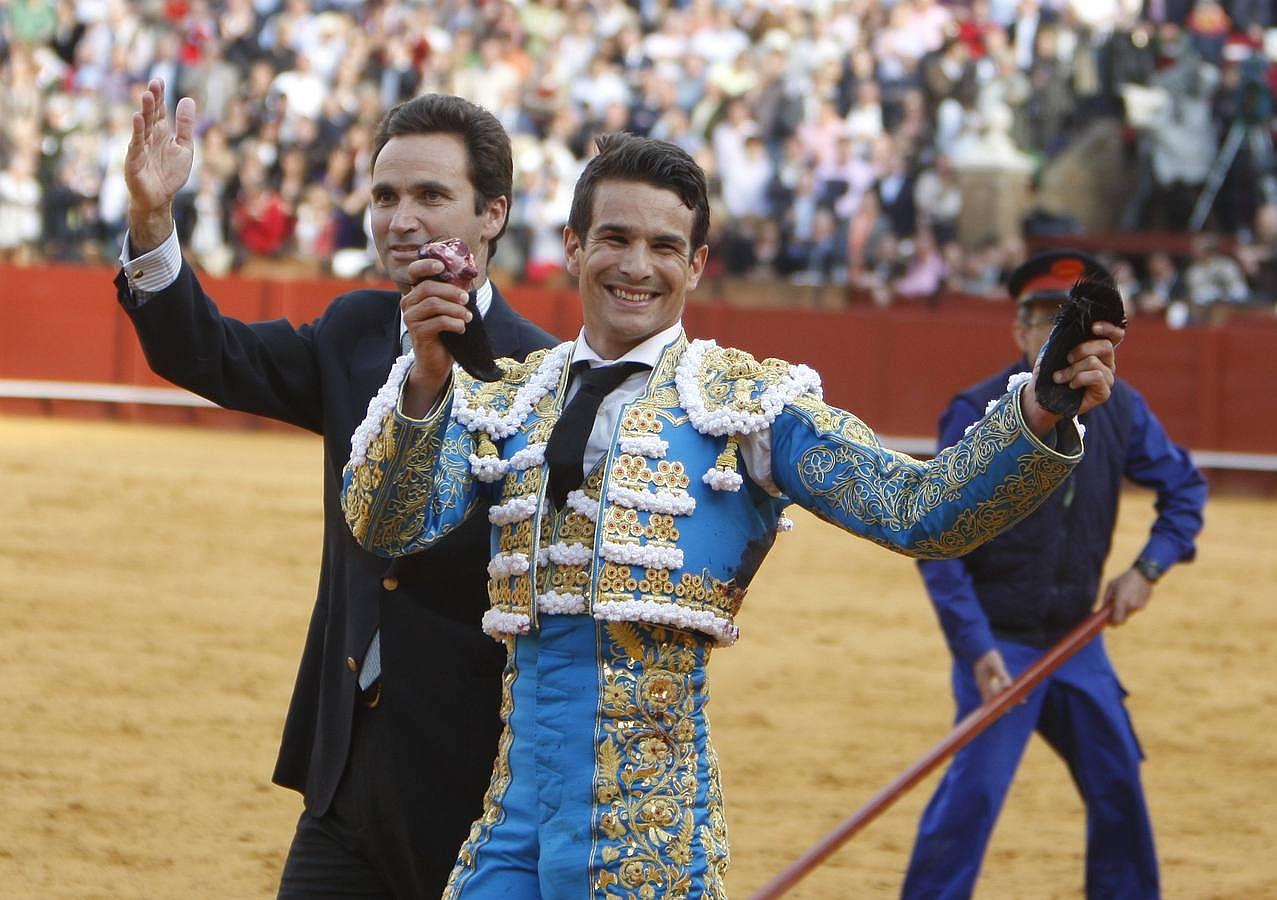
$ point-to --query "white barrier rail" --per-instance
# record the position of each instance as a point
(92, 392)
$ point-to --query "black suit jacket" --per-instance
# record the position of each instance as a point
(441, 674)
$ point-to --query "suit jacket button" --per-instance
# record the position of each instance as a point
(351, 664)
(390, 583)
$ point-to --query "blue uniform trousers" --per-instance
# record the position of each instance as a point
(604, 763)
(1080, 712)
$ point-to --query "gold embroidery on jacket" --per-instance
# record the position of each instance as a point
(399, 521)
(570, 527)
(731, 377)
(648, 767)
(886, 489)
(516, 537)
(513, 594)
(714, 834)
(366, 480)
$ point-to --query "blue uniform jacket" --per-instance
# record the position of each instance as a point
(672, 533)
(1038, 580)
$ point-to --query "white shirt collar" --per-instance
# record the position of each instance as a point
(648, 352)
(482, 299)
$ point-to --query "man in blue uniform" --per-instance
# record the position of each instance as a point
(1004, 604)
(635, 480)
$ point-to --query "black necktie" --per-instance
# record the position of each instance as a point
(565, 452)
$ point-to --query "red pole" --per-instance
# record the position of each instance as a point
(963, 733)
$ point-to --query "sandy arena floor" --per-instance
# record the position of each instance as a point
(155, 584)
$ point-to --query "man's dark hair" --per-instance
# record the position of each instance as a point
(491, 165)
(627, 157)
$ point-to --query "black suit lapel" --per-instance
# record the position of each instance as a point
(503, 326)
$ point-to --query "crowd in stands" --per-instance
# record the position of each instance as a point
(835, 132)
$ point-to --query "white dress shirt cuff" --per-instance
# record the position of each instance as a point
(154, 270)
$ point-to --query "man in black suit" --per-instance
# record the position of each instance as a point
(393, 724)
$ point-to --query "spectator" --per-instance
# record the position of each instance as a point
(820, 135)
(545, 209)
(1181, 140)
(1050, 106)
(745, 183)
(870, 243)
(207, 245)
(260, 220)
(1162, 288)
(843, 181)
(979, 86)
(20, 195)
(1126, 282)
(1006, 89)
(315, 227)
(864, 119)
(1258, 255)
(926, 272)
(730, 134)
(980, 270)
(819, 258)
(895, 194)
(938, 198)
(947, 73)
(1208, 26)
(1213, 279)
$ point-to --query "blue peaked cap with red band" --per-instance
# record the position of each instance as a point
(1050, 275)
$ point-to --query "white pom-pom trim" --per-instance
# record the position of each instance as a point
(381, 405)
(529, 456)
(488, 468)
(723, 479)
(565, 554)
(723, 631)
(648, 445)
(503, 565)
(555, 604)
(498, 624)
(645, 555)
(671, 503)
(580, 503)
(726, 420)
(502, 425)
(784, 523)
(1018, 379)
(517, 510)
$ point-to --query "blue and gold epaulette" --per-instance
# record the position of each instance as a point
(498, 408)
(728, 392)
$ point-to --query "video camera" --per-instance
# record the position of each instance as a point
(1253, 99)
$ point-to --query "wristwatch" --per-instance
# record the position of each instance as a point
(1150, 569)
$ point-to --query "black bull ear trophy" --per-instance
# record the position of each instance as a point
(471, 349)
(1093, 299)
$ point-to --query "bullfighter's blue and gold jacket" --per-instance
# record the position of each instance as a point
(666, 530)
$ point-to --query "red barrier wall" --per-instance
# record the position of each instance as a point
(1214, 388)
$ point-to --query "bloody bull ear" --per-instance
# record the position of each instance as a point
(471, 349)
(1094, 298)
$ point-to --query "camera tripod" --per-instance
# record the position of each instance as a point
(1260, 141)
